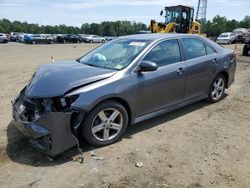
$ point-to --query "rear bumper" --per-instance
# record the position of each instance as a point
(222, 41)
(50, 133)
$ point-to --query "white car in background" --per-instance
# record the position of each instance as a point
(94, 38)
(227, 38)
(3, 38)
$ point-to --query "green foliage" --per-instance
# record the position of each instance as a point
(105, 28)
(220, 24)
(212, 28)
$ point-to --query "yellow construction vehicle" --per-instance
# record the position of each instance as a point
(178, 19)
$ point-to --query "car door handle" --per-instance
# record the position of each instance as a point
(180, 70)
(214, 60)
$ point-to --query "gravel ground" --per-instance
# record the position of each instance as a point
(201, 145)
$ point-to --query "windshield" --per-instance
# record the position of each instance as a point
(116, 54)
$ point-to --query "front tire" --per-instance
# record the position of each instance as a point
(217, 89)
(105, 124)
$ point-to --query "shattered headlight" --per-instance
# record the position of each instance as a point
(63, 104)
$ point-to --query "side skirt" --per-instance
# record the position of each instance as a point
(165, 110)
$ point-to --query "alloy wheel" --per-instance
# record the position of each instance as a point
(218, 89)
(107, 124)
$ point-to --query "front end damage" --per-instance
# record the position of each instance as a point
(50, 123)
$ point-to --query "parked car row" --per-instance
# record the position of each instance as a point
(237, 35)
(52, 38)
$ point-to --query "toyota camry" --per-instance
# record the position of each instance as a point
(120, 83)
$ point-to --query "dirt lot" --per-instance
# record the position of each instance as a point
(201, 145)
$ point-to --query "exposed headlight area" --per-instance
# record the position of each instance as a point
(62, 104)
(31, 109)
(41, 119)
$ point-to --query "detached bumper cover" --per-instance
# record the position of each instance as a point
(50, 133)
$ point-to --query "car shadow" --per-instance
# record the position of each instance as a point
(19, 149)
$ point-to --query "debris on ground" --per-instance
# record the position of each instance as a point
(92, 153)
(78, 158)
(97, 158)
(139, 164)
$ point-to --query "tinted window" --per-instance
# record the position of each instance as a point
(210, 50)
(193, 48)
(164, 53)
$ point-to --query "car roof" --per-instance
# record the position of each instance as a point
(154, 36)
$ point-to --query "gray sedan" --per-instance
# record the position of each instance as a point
(94, 38)
(123, 82)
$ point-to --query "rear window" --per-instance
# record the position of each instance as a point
(224, 36)
(209, 49)
(193, 48)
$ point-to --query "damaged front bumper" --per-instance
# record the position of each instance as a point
(49, 132)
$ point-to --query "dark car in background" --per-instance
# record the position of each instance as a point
(241, 33)
(246, 47)
(125, 81)
(69, 38)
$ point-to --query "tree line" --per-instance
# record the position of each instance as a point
(220, 24)
(106, 28)
(212, 28)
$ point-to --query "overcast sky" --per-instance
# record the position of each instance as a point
(76, 12)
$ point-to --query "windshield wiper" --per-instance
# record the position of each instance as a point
(89, 64)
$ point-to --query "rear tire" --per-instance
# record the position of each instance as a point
(91, 41)
(217, 89)
(98, 127)
(245, 51)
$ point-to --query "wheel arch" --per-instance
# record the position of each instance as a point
(122, 102)
(86, 112)
(226, 76)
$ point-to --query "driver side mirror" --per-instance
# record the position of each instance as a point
(161, 13)
(147, 66)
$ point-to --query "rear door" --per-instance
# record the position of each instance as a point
(164, 87)
(201, 61)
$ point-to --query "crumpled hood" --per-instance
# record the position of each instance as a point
(55, 79)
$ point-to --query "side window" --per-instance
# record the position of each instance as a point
(210, 50)
(165, 53)
(193, 48)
